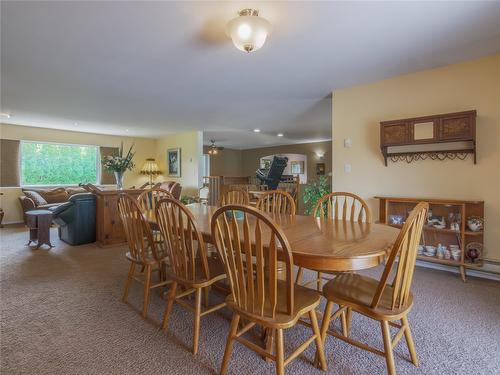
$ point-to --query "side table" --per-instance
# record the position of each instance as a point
(38, 221)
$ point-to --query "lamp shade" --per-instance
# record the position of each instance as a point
(248, 31)
(150, 168)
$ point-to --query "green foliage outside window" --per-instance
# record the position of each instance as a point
(58, 164)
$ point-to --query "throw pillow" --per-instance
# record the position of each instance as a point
(57, 195)
(73, 191)
(35, 197)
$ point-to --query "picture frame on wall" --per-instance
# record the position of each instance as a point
(320, 169)
(174, 162)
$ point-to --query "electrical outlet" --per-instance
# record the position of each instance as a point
(347, 143)
(347, 168)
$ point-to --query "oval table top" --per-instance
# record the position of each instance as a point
(322, 245)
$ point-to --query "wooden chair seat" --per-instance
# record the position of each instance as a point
(358, 291)
(305, 300)
(216, 270)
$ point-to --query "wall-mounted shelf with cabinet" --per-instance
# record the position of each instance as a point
(436, 137)
(447, 237)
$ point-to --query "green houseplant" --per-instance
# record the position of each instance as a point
(119, 164)
(314, 191)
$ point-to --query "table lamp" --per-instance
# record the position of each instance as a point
(150, 168)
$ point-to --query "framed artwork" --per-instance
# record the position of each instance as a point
(320, 169)
(174, 162)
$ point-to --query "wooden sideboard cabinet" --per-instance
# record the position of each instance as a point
(452, 229)
(109, 228)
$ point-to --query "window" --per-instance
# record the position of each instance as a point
(58, 164)
(297, 167)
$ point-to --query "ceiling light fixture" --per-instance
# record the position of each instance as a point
(280, 134)
(256, 130)
(6, 115)
(213, 149)
(248, 31)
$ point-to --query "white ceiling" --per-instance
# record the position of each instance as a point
(153, 68)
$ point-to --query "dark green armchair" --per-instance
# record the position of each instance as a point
(77, 219)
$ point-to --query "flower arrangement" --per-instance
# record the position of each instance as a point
(119, 163)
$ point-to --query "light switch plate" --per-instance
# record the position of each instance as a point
(347, 168)
(347, 143)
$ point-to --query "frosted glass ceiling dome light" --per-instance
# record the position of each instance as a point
(248, 31)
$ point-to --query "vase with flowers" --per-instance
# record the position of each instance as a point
(119, 164)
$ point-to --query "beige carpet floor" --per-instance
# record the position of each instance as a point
(61, 314)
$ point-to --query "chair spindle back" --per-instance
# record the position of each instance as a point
(249, 249)
(343, 205)
(236, 196)
(149, 198)
(137, 230)
(183, 240)
(405, 248)
(277, 202)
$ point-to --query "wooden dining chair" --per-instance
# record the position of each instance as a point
(338, 206)
(250, 249)
(149, 198)
(381, 300)
(143, 249)
(235, 196)
(276, 202)
(190, 267)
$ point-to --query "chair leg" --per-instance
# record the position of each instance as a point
(280, 354)
(269, 343)
(170, 303)
(409, 341)
(386, 333)
(196, 325)
(343, 322)
(147, 284)
(130, 277)
(206, 299)
(319, 282)
(324, 327)
(348, 320)
(320, 351)
(229, 344)
(300, 273)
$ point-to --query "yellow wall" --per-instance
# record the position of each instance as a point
(357, 112)
(144, 148)
(191, 144)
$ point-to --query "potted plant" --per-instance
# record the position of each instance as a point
(119, 164)
(314, 191)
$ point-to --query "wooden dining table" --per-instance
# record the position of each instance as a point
(318, 244)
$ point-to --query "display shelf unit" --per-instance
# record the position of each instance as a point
(451, 213)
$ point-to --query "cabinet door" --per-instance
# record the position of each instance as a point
(394, 134)
(456, 127)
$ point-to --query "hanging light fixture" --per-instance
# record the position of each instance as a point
(248, 31)
(213, 149)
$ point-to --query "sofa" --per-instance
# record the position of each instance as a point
(46, 198)
(77, 219)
